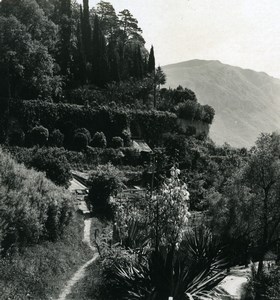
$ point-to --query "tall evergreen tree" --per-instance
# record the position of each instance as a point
(65, 35)
(79, 64)
(86, 30)
(138, 71)
(100, 68)
(113, 61)
(151, 61)
(108, 19)
(130, 31)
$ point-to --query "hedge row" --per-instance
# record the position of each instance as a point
(149, 125)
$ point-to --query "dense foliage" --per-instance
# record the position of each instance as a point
(53, 163)
(39, 135)
(104, 182)
(71, 119)
(24, 274)
(44, 209)
(246, 209)
(48, 45)
(153, 257)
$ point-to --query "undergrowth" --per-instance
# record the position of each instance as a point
(41, 271)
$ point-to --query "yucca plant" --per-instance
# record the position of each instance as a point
(192, 271)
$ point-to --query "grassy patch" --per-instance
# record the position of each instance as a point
(87, 288)
(43, 270)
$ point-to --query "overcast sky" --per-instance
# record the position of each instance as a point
(243, 33)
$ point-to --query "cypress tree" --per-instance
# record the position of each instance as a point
(113, 62)
(65, 32)
(79, 64)
(151, 61)
(86, 30)
(100, 68)
(137, 64)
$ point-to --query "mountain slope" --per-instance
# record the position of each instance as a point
(246, 102)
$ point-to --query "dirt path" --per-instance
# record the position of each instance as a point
(81, 271)
(234, 283)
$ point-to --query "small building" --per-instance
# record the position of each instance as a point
(141, 146)
(79, 191)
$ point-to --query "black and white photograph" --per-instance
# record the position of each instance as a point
(139, 150)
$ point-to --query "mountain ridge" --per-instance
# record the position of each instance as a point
(246, 102)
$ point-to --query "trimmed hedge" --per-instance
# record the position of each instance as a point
(113, 122)
(39, 135)
(57, 115)
(56, 138)
(99, 140)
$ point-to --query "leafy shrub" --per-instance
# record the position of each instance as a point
(99, 140)
(187, 110)
(56, 138)
(82, 95)
(39, 135)
(263, 286)
(117, 142)
(28, 204)
(208, 114)
(54, 164)
(111, 258)
(85, 132)
(175, 145)
(196, 269)
(191, 110)
(80, 141)
(169, 98)
(115, 156)
(103, 183)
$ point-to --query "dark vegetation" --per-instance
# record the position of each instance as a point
(45, 209)
(91, 89)
(41, 270)
(37, 221)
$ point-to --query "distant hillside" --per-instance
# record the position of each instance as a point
(246, 102)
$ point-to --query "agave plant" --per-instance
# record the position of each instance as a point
(190, 272)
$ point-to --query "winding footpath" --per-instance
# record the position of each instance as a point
(234, 283)
(81, 271)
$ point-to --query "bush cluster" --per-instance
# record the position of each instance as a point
(191, 110)
(99, 140)
(104, 182)
(39, 135)
(117, 142)
(32, 208)
(56, 138)
(53, 163)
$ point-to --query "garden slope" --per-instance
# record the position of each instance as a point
(246, 102)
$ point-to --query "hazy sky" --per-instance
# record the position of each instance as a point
(244, 33)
